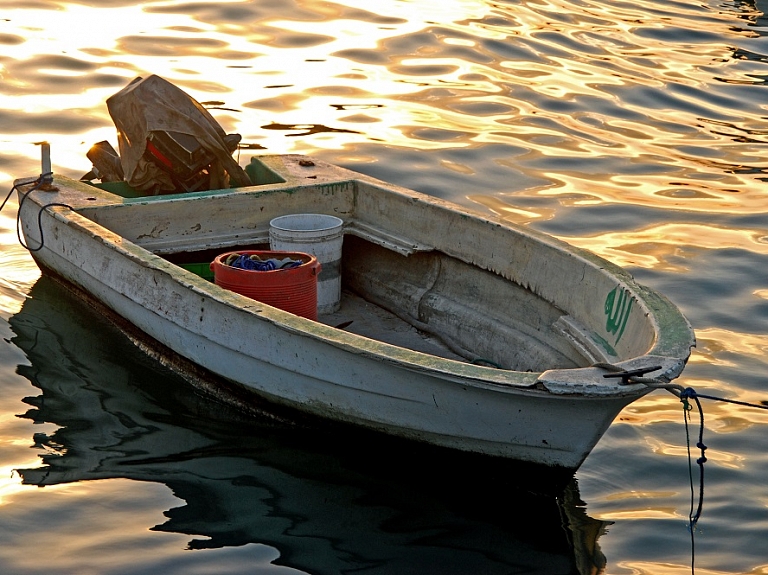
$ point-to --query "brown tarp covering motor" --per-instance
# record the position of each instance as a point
(154, 105)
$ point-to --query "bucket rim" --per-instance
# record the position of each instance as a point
(337, 222)
(307, 260)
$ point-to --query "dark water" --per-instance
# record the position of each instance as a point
(637, 130)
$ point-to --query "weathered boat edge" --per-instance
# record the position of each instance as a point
(562, 381)
(676, 336)
(527, 476)
(545, 450)
(555, 382)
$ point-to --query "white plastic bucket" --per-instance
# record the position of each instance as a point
(321, 236)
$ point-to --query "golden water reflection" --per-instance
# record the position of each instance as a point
(717, 457)
(542, 113)
(721, 417)
(651, 568)
(714, 343)
(672, 247)
(643, 513)
(437, 83)
(510, 212)
(99, 528)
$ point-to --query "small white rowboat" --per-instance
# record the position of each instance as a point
(466, 332)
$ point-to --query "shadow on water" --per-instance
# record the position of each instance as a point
(328, 501)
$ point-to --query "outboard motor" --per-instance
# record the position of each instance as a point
(168, 142)
(185, 159)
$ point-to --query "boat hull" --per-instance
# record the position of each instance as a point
(321, 370)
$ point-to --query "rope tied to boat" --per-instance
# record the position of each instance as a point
(686, 396)
(690, 393)
(632, 376)
(42, 182)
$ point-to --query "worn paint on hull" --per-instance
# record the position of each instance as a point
(524, 301)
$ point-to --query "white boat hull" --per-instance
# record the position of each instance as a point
(552, 418)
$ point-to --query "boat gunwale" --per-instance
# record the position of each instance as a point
(654, 303)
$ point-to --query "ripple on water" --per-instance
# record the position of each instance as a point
(635, 129)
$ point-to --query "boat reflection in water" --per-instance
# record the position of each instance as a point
(329, 500)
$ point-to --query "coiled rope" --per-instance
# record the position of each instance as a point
(254, 262)
(685, 394)
(37, 184)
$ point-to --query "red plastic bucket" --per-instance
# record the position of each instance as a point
(293, 290)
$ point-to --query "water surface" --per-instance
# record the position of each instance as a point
(635, 129)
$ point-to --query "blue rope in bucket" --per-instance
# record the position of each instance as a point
(255, 263)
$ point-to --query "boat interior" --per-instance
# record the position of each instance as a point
(435, 304)
(396, 289)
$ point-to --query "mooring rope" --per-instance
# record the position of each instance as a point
(37, 181)
(693, 517)
(685, 394)
(37, 184)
